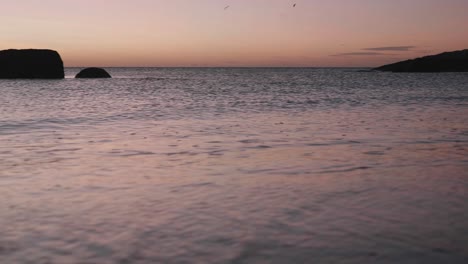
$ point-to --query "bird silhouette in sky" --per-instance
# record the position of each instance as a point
(226, 7)
(294, 5)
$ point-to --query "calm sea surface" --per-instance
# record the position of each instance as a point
(235, 166)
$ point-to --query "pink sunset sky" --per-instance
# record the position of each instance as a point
(248, 33)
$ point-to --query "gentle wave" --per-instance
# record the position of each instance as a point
(235, 166)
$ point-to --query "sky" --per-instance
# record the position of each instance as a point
(233, 33)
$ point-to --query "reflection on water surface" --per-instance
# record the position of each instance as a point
(235, 166)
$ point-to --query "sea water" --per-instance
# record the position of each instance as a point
(235, 165)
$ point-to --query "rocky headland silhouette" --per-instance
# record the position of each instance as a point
(454, 61)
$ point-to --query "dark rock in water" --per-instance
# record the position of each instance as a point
(31, 64)
(455, 61)
(93, 73)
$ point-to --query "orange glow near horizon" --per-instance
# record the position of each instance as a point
(248, 33)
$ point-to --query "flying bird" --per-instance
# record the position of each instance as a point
(294, 5)
(226, 7)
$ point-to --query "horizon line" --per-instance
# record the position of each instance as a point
(245, 67)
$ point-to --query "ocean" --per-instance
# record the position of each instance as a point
(235, 165)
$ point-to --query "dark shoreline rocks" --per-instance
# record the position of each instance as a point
(31, 64)
(455, 61)
(93, 73)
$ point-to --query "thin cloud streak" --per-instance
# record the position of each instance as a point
(360, 54)
(394, 48)
(376, 51)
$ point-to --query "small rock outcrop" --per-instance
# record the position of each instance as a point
(455, 61)
(31, 64)
(93, 73)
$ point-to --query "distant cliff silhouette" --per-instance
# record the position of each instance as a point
(31, 64)
(455, 61)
